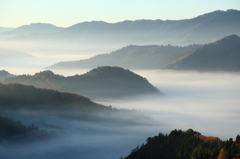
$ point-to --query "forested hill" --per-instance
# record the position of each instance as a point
(132, 57)
(5, 74)
(222, 55)
(16, 96)
(186, 145)
(106, 82)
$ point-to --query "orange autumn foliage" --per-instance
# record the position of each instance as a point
(207, 139)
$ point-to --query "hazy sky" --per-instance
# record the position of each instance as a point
(14, 13)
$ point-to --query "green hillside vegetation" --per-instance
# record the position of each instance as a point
(186, 145)
(5, 74)
(14, 131)
(106, 82)
(132, 57)
(222, 55)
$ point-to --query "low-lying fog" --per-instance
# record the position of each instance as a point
(206, 102)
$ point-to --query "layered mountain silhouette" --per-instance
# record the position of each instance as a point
(202, 29)
(34, 28)
(5, 74)
(133, 57)
(102, 82)
(222, 55)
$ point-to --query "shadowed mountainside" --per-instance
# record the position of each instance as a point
(186, 145)
(222, 55)
(102, 82)
(132, 57)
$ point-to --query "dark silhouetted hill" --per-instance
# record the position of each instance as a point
(104, 82)
(186, 145)
(5, 74)
(222, 55)
(133, 57)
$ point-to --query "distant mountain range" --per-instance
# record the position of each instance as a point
(199, 30)
(222, 55)
(34, 28)
(132, 57)
(102, 82)
(5, 74)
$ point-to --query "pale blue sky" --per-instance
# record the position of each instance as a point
(14, 13)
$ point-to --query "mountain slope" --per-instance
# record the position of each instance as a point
(102, 82)
(222, 55)
(133, 57)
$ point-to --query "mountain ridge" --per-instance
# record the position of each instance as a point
(222, 55)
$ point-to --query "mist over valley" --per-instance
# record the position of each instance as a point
(133, 89)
